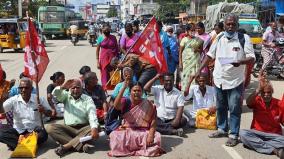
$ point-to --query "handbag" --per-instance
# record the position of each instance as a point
(114, 117)
(205, 121)
(26, 147)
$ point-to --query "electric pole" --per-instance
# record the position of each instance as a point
(20, 14)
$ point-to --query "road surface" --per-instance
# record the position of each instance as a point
(69, 59)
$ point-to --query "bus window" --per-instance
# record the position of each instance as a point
(51, 16)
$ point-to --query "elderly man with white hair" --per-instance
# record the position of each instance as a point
(79, 116)
(26, 112)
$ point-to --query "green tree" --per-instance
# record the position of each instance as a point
(169, 9)
(112, 12)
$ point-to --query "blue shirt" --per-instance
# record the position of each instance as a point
(165, 42)
(126, 92)
(174, 47)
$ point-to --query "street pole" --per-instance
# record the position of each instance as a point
(20, 14)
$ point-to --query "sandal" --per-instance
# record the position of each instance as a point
(60, 151)
(232, 142)
(218, 134)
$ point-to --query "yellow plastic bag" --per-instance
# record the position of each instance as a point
(27, 147)
(116, 78)
(205, 121)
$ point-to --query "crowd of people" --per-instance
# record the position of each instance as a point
(135, 123)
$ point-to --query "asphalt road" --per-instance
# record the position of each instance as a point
(69, 59)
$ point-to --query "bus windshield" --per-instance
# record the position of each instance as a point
(51, 17)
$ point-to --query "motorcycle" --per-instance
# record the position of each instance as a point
(92, 39)
(74, 39)
(276, 64)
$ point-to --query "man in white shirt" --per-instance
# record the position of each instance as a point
(204, 97)
(26, 113)
(170, 103)
(231, 58)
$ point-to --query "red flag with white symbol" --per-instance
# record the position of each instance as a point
(149, 46)
(36, 59)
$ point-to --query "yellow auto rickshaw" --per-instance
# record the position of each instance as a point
(12, 34)
(82, 27)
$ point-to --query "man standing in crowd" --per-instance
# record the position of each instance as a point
(79, 116)
(26, 114)
(265, 135)
(229, 77)
(170, 103)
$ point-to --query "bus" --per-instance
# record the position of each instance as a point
(53, 20)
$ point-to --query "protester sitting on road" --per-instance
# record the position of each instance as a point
(96, 91)
(83, 71)
(107, 49)
(57, 108)
(13, 92)
(79, 116)
(128, 39)
(169, 102)
(127, 72)
(4, 90)
(265, 135)
(26, 111)
(204, 97)
(229, 77)
(142, 69)
(137, 135)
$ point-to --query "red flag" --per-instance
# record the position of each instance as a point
(149, 47)
(35, 53)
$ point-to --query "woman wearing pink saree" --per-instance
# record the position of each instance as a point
(200, 32)
(137, 134)
(107, 49)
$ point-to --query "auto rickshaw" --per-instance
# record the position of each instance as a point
(82, 27)
(12, 34)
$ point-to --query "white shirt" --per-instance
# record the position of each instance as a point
(26, 115)
(200, 101)
(227, 75)
(167, 103)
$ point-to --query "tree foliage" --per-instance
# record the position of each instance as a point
(112, 12)
(10, 7)
(169, 9)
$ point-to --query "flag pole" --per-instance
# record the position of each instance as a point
(35, 66)
(124, 57)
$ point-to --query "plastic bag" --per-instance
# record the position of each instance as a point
(205, 121)
(27, 147)
(116, 77)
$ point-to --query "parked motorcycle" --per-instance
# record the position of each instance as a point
(92, 39)
(74, 39)
(276, 65)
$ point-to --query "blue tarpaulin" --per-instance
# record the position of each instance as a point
(279, 6)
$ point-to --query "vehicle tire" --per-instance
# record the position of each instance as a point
(93, 45)
(74, 43)
(1, 49)
(18, 50)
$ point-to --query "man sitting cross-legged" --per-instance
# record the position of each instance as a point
(170, 103)
(265, 135)
(79, 116)
(26, 114)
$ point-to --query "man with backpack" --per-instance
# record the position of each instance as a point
(231, 51)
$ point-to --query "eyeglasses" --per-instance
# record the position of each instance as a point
(24, 88)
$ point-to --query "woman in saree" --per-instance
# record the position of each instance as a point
(200, 32)
(128, 39)
(107, 49)
(189, 56)
(137, 134)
